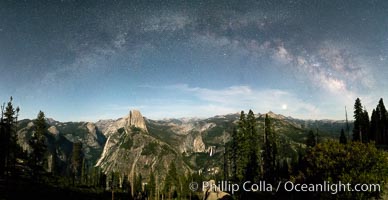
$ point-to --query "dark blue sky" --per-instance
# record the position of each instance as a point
(90, 60)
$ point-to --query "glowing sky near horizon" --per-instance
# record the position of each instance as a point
(90, 60)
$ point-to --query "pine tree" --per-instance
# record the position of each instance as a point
(37, 143)
(361, 129)
(373, 127)
(54, 165)
(227, 161)
(270, 152)
(138, 184)
(284, 171)
(187, 193)
(365, 129)
(233, 148)
(152, 186)
(8, 135)
(171, 183)
(3, 143)
(76, 160)
(84, 173)
(379, 124)
(252, 168)
(102, 181)
(311, 139)
(382, 123)
(241, 142)
(358, 116)
(343, 139)
(125, 185)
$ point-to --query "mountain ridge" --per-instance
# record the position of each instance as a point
(271, 114)
(134, 144)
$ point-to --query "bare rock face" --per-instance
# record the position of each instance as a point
(119, 135)
(136, 119)
(133, 119)
(53, 130)
(130, 150)
(198, 145)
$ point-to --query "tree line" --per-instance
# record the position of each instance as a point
(8, 138)
(252, 156)
(371, 129)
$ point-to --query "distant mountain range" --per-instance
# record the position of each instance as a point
(134, 144)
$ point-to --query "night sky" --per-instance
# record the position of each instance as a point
(90, 60)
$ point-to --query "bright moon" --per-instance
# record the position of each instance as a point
(284, 106)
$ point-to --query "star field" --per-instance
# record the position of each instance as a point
(90, 60)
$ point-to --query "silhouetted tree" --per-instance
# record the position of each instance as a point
(365, 128)
(382, 123)
(3, 142)
(240, 149)
(37, 143)
(270, 152)
(252, 169)
(138, 184)
(358, 120)
(152, 186)
(8, 136)
(171, 183)
(54, 162)
(76, 160)
(373, 127)
(232, 147)
(84, 172)
(311, 139)
(284, 170)
(342, 138)
(379, 123)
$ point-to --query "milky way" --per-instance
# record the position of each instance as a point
(87, 60)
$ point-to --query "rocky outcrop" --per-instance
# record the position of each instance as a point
(135, 119)
(103, 125)
(128, 150)
(198, 145)
(53, 130)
